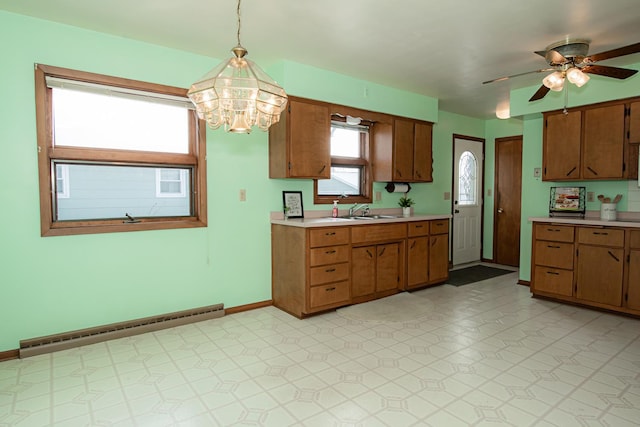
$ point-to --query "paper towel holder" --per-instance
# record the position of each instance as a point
(398, 187)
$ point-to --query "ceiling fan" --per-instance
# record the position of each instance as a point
(568, 59)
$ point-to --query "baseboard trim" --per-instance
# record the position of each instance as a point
(9, 355)
(524, 282)
(247, 307)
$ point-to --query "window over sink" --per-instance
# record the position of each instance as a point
(350, 169)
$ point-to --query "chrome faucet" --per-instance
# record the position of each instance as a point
(355, 208)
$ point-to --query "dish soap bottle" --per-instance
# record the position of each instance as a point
(334, 212)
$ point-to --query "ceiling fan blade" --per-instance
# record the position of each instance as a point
(542, 53)
(540, 93)
(615, 72)
(499, 79)
(614, 53)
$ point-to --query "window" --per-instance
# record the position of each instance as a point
(350, 172)
(467, 184)
(123, 155)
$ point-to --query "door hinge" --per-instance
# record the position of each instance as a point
(628, 257)
(626, 297)
(289, 165)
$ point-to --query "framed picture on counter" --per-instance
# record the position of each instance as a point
(292, 203)
(567, 201)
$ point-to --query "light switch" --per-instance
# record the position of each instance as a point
(591, 196)
(243, 195)
(537, 172)
(447, 195)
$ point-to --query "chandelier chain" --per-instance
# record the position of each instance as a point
(238, 13)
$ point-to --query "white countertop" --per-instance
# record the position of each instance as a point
(621, 222)
(331, 222)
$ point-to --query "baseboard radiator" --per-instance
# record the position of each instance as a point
(66, 340)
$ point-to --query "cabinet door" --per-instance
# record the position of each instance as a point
(363, 271)
(309, 140)
(403, 150)
(417, 261)
(634, 123)
(633, 289)
(603, 145)
(388, 267)
(438, 258)
(561, 146)
(599, 274)
(422, 154)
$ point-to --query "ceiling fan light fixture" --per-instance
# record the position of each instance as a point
(577, 77)
(238, 94)
(554, 81)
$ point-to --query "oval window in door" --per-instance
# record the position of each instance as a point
(467, 179)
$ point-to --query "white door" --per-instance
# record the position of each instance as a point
(467, 201)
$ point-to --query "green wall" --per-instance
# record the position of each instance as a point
(58, 284)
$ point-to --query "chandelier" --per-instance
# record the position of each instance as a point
(238, 94)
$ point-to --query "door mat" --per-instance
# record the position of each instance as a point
(476, 273)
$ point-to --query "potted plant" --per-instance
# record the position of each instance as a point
(286, 210)
(406, 203)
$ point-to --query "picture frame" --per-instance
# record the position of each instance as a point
(567, 200)
(293, 201)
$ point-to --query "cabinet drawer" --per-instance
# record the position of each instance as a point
(554, 254)
(601, 236)
(440, 226)
(553, 281)
(634, 240)
(556, 233)
(328, 236)
(418, 228)
(328, 273)
(328, 255)
(334, 293)
(376, 233)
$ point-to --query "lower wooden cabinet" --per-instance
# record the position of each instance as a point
(322, 268)
(588, 265)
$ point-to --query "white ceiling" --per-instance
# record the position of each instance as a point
(443, 49)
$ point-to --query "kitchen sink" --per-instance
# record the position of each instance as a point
(370, 217)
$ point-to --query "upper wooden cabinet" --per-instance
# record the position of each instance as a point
(300, 143)
(587, 143)
(402, 151)
(634, 122)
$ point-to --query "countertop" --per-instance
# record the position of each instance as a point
(631, 222)
(325, 221)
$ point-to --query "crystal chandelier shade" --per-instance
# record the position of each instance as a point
(238, 94)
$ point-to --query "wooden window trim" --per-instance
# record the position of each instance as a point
(366, 185)
(196, 158)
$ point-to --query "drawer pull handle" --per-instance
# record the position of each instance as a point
(553, 247)
(333, 233)
(330, 252)
(333, 288)
(418, 226)
(330, 270)
(553, 272)
(600, 233)
(553, 230)
(613, 256)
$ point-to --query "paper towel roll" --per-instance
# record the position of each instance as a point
(394, 187)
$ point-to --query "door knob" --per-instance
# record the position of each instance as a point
(500, 210)
(456, 211)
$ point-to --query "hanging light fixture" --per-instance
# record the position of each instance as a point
(554, 81)
(577, 77)
(238, 94)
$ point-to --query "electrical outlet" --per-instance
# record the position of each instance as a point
(378, 196)
(489, 192)
(537, 172)
(243, 195)
(591, 196)
(447, 195)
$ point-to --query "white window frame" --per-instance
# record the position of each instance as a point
(183, 184)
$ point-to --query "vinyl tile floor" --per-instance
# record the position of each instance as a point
(487, 355)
